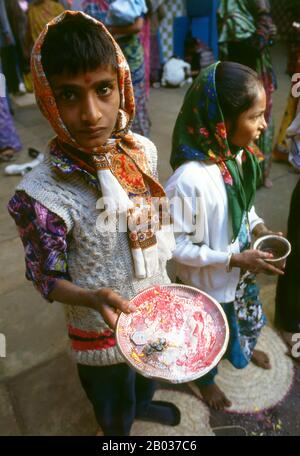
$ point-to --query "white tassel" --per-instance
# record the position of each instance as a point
(151, 260)
(165, 242)
(139, 263)
(146, 261)
(111, 188)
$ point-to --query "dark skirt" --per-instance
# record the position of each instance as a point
(287, 310)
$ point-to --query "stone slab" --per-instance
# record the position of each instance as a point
(51, 401)
(35, 330)
(8, 421)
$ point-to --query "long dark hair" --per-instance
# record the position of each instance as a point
(237, 88)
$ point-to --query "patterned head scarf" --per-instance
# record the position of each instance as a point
(200, 134)
(121, 164)
(46, 100)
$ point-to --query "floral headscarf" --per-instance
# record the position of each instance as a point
(121, 164)
(200, 134)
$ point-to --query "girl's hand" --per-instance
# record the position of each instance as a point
(254, 261)
(261, 230)
(109, 304)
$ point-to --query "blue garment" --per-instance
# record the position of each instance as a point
(114, 13)
(94, 10)
(77, 5)
(125, 12)
(245, 317)
(9, 138)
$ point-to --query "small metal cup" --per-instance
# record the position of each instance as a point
(277, 245)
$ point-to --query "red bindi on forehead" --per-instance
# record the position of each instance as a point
(87, 79)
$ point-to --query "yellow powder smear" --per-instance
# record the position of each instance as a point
(136, 357)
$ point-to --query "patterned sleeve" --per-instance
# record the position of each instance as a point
(44, 237)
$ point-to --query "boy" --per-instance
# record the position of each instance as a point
(83, 87)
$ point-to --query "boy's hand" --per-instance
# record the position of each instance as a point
(254, 261)
(110, 305)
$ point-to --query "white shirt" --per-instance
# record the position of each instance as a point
(203, 235)
(23, 5)
(175, 72)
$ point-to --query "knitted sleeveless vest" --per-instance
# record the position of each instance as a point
(96, 258)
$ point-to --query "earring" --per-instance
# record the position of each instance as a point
(122, 121)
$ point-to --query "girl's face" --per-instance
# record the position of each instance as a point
(88, 104)
(250, 124)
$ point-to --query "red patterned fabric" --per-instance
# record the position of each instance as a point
(90, 340)
(127, 144)
(125, 157)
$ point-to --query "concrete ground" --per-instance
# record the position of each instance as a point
(39, 390)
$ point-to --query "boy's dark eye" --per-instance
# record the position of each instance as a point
(104, 90)
(67, 95)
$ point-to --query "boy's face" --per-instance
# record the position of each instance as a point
(88, 104)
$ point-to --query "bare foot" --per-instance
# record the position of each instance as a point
(268, 183)
(7, 155)
(211, 395)
(287, 338)
(261, 359)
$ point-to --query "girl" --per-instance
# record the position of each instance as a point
(83, 87)
(216, 173)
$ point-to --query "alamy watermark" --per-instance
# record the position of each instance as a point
(189, 215)
(296, 347)
(296, 85)
(2, 346)
(2, 86)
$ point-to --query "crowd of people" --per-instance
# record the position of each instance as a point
(245, 38)
(21, 22)
(90, 71)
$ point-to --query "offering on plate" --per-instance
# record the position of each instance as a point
(177, 333)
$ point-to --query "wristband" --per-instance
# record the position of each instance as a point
(228, 267)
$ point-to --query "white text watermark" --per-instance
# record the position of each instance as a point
(2, 86)
(176, 214)
(296, 347)
(2, 346)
